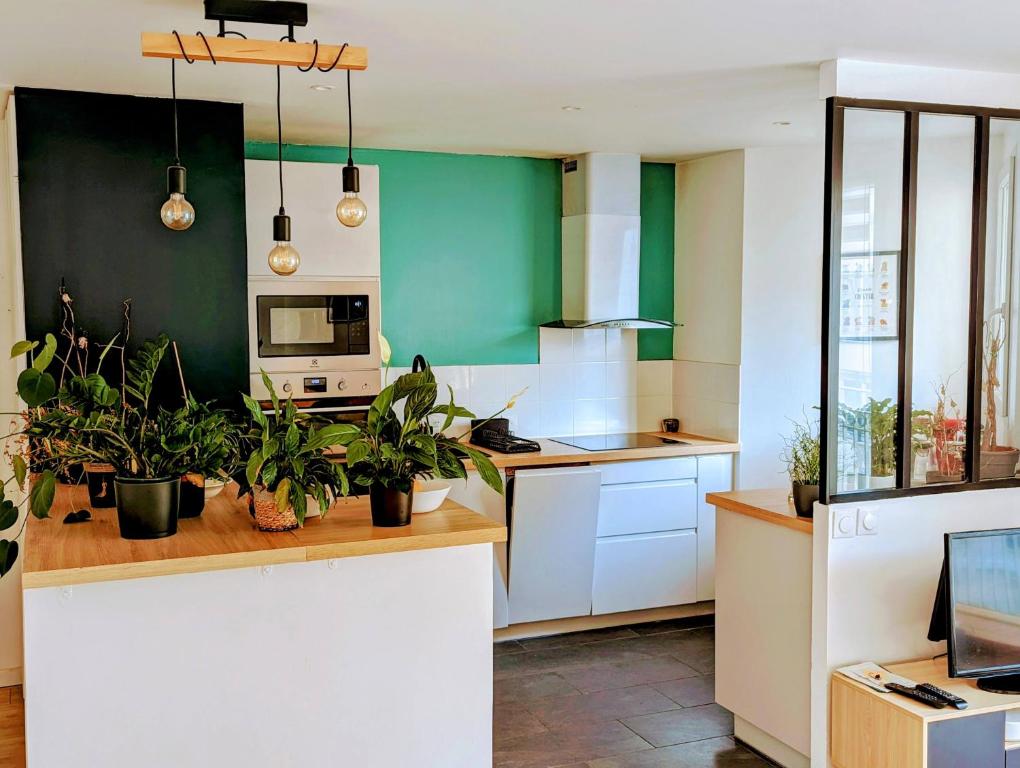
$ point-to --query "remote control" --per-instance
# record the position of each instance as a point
(949, 698)
(917, 695)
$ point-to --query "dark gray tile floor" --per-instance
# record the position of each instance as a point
(628, 697)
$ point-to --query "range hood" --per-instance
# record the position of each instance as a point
(602, 243)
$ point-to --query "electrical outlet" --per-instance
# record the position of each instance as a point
(844, 523)
(867, 521)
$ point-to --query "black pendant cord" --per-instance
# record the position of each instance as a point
(173, 97)
(350, 122)
(279, 138)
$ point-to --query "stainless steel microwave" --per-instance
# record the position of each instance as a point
(310, 326)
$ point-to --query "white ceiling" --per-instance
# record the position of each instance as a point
(666, 78)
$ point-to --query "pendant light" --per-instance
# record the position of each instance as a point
(351, 210)
(283, 258)
(177, 213)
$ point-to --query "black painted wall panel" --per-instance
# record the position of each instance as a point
(92, 171)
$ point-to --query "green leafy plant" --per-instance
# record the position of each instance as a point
(881, 416)
(802, 453)
(404, 438)
(286, 455)
(205, 440)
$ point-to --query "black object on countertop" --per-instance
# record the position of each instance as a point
(494, 434)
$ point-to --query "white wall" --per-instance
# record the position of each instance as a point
(780, 346)
(10, 321)
(873, 595)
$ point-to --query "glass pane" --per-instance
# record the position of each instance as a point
(945, 193)
(869, 290)
(999, 350)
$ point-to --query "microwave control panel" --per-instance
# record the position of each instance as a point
(326, 384)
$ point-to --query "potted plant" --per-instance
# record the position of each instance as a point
(803, 464)
(997, 461)
(881, 418)
(208, 442)
(287, 463)
(66, 430)
(388, 451)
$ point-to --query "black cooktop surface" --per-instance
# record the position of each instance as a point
(616, 442)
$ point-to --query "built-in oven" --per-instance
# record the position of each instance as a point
(316, 339)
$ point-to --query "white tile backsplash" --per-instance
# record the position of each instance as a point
(621, 378)
(556, 381)
(655, 378)
(590, 416)
(557, 418)
(525, 381)
(488, 383)
(589, 380)
(621, 414)
(621, 344)
(555, 345)
(707, 397)
(589, 345)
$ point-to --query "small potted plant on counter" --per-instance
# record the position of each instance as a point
(802, 457)
(881, 418)
(287, 463)
(389, 450)
(997, 461)
(208, 441)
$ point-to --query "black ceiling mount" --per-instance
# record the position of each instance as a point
(281, 12)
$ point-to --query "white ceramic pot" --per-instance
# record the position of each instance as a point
(429, 495)
(213, 487)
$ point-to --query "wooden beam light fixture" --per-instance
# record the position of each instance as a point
(284, 52)
(280, 53)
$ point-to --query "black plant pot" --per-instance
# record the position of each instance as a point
(99, 478)
(390, 508)
(192, 496)
(147, 509)
(804, 498)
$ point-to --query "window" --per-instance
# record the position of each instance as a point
(920, 338)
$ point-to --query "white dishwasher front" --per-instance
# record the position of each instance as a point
(554, 514)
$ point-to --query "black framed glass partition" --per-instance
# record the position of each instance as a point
(920, 312)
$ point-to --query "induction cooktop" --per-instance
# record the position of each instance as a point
(616, 442)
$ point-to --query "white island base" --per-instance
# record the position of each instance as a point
(381, 660)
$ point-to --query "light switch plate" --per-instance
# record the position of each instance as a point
(844, 523)
(867, 521)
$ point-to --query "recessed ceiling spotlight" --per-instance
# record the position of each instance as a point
(781, 123)
(322, 87)
(570, 108)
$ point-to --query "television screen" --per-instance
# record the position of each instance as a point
(983, 569)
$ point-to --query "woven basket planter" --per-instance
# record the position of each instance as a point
(267, 515)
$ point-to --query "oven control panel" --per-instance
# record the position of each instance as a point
(306, 385)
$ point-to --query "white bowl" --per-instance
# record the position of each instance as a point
(213, 487)
(428, 495)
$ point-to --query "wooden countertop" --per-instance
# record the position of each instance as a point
(772, 505)
(225, 537)
(935, 671)
(558, 453)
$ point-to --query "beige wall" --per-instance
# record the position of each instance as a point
(709, 255)
(11, 321)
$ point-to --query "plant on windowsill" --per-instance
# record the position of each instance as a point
(389, 451)
(287, 463)
(997, 461)
(803, 464)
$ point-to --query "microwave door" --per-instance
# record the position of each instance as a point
(313, 326)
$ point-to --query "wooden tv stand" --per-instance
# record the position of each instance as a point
(869, 729)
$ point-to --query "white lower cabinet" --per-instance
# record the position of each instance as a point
(645, 570)
(552, 542)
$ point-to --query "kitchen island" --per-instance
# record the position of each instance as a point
(337, 643)
(763, 580)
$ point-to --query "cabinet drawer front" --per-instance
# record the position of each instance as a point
(648, 507)
(645, 571)
(649, 470)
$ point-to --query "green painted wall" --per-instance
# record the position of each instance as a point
(658, 210)
(471, 251)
